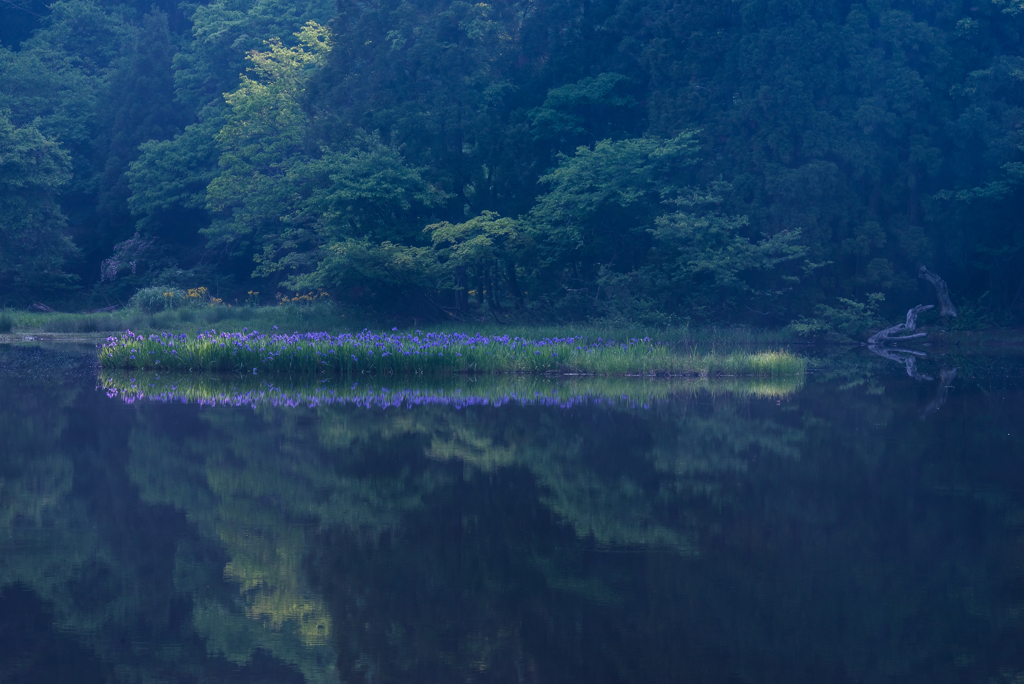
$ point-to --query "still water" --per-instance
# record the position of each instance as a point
(859, 525)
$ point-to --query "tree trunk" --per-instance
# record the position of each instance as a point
(513, 285)
(481, 284)
(941, 291)
(492, 293)
(460, 289)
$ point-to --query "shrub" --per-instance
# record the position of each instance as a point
(6, 322)
(848, 319)
(154, 299)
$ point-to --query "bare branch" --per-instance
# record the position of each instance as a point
(23, 9)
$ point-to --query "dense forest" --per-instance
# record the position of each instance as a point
(656, 161)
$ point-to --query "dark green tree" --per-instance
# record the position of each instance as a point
(34, 245)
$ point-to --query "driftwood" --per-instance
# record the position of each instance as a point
(941, 291)
(42, 308)
(892, 336)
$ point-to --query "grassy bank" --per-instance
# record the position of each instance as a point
(304, 318)
(405, 354)
(560, 391)
(325, 316)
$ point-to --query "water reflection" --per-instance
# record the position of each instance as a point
(604, 532)
(458, 392)
(909, 359)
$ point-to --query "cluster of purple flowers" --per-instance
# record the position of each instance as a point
(381, 353)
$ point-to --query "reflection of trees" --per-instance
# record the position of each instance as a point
(77, 546)
(709, 537)
(814, 564)
(270, 486)
(36, 471)
(34, 475)
(256, 502)
(615, 480)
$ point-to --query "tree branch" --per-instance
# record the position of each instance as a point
(23, 9)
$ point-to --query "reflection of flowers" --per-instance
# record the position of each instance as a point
(628, 392)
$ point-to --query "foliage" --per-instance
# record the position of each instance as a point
(648, 162)
(262, 139)
(33, 243)
(609, 215)
(151, 299)
(365, 200)
(849, 319)
(479, 256)
(154, 299)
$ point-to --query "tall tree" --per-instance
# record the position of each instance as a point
(33, 244)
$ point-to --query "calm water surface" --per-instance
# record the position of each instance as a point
(861, 526)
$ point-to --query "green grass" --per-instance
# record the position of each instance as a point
(324, 316)
(6, 322)
(712, 339)
(398, 354)
(220, 390)
(305, 318)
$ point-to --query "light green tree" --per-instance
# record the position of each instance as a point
(482, 256)
(262, 140)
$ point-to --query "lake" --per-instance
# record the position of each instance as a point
(864, 523)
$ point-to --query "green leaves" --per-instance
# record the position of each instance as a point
(487, 237)
(602, 201)
(262, 142)
(33, 245)
(619, 218)
(370, 191)
(571, 111)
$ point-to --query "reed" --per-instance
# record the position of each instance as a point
(407, 354)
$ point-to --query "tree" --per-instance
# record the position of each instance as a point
(143, 109)
(481, 256)
(33, 243)
(619, 227)
(262, 143)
